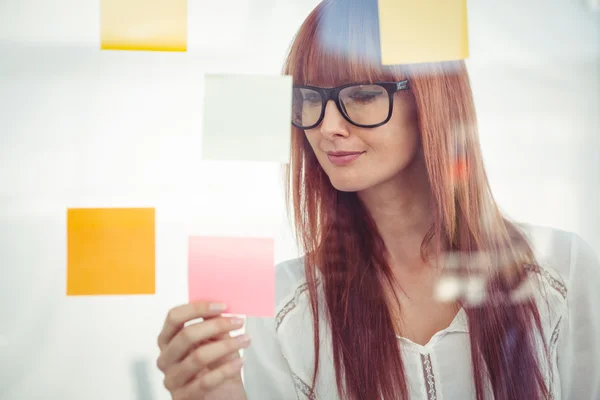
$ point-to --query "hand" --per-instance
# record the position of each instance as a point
(202, 359)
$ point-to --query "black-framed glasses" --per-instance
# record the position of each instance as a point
(366, 105)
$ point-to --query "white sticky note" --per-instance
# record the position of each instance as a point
(247, 118)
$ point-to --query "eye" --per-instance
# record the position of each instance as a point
(312, 97)
(364, 95)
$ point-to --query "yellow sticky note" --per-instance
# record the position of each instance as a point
(159, 25)
(110, 251)
(416, 31)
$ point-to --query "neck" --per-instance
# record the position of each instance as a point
(401, 210)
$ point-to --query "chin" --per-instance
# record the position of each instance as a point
(346, 186)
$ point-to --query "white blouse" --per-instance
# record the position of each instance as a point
(280, 360)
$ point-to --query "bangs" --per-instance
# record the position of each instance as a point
(338, 44)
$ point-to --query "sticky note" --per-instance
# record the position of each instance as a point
(247, 118)
(237, 271)
(158, 25)
(110, 251)
(423, 31)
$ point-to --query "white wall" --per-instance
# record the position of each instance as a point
(535, 69)
(80, 127)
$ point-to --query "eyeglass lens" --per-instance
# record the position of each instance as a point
(362, 104)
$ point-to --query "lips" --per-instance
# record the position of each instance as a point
(343, 157)
(343, 153)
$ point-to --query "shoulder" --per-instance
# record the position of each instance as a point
(562, 253)
(291, 297)
(569, 269)
(569, 272)
(289, 276)
(551, 246)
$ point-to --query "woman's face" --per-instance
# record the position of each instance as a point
(380, 154)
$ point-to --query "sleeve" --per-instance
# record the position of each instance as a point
(578, 348)
(266, 373)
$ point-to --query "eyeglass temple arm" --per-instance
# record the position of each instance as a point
(402, 85)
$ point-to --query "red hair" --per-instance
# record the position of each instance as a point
(339, 43)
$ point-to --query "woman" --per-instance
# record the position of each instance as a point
(386, 181)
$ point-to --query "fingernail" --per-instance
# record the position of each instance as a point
(237, 321)
(243, 339)
(218, 307)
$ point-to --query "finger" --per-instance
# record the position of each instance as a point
(223, 351)
(210, 380)
(191, 336)
(225, 359)
(178, 316)
(224, 335)
(217, 376)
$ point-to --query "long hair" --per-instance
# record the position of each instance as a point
(339, 43)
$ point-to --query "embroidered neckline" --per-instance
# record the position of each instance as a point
(552, 348)
(429, 377)
(303, 387)
(290, 305)
(553, 282)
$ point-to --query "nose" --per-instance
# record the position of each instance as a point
(333, 123)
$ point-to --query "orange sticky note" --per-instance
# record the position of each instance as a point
(239, 272)
(416, 31)
(159, 25)
(110, 251)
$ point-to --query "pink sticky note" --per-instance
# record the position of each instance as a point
(237, 271)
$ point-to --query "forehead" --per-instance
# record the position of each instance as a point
(327, 70)
(342, 87)
(324, 64)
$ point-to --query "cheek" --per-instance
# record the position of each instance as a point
(399, 149)
(399, 140)
(408, 137)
